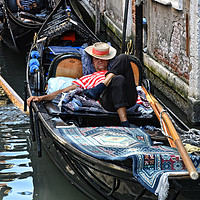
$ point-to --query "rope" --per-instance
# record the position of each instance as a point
(161, 124)
(191, 136)
(35, 41)
(129, 48)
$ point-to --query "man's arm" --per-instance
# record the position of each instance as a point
(50, 96)
(19, 4)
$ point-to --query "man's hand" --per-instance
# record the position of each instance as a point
(21, 7)
(33, 98)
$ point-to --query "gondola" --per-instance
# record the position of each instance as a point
(19, 27)
(102, 159)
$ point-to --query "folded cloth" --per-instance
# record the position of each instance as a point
(69, 101)
(191, 148)
(76, 100)
(58, 83)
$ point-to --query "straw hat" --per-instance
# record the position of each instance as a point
(101, 50)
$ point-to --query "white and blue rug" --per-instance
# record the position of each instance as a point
(119, 143)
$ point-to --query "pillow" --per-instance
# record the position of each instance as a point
(58, 83)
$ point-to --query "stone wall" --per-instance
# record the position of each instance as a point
(112, 13)
(194, 76)
(168, 37)
(173, 51)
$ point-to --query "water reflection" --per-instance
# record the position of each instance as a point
(16, 172)
(23, 175)
(12, 68)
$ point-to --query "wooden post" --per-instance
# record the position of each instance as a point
(139, 32)
(125, 26)
(12, 95)
(97, 18)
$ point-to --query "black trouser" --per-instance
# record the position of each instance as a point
(121, 92)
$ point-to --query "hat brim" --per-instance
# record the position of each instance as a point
(111, 55)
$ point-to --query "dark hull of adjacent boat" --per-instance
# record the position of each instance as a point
(15, 33)
(21, 39)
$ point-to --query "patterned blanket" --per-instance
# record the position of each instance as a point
(150, 163)
(76, 100)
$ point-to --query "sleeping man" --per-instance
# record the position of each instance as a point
(114, 88)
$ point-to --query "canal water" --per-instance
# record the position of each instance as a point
(24, 176)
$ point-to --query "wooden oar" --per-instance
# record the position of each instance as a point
(170, 127)
(12, 95)
(152, 103)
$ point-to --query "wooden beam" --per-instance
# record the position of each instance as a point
(12, 95)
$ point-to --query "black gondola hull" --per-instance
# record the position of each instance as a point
(97, 178)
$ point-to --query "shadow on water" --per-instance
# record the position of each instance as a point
(12, 68)
(50, 184)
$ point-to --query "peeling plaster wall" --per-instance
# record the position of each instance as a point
(194, 81)
(194, 90)
(174, 43)
(114, 10)
(167, 38)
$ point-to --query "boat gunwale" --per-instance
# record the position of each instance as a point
(20, 22)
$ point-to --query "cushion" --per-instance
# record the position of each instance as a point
(58, 83)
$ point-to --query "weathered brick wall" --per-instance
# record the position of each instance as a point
(168, 37)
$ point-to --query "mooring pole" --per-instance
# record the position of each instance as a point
(139, 32)
(125, 26)
(97, 18)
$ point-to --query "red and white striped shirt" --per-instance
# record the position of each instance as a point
(91, 80)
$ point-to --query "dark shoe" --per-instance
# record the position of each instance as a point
(125, 124)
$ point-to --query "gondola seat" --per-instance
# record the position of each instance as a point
(12, 5)
(66, 65)
(69, 65)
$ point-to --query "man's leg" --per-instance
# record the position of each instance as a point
(108, 78)
(119, 89)
(122, 66)
(114, 98)
(123, 117)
